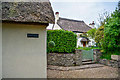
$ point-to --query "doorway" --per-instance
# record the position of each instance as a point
(84, 44)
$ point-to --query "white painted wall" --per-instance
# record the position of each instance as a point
(56, 27)
(79, 44)
(92, 42)
(24, 57)
(0, 50)
(92, 26)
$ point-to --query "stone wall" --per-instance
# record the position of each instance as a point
(62, 59)
(111, 63)
(70, 59)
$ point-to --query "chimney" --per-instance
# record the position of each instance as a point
(57, 13)
(56, 16)
(92, 25)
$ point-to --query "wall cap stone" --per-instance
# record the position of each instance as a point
(115, 57)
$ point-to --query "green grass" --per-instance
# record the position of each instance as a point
(108, 55)
(116, 53)
(88, 48)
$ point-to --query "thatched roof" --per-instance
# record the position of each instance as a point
(73, 25)
(40, 12)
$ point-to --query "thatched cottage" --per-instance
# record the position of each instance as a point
(76, 26)
(23, 39)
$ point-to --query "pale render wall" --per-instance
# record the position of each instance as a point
(24, 57)
(0, 51)
(56, 27)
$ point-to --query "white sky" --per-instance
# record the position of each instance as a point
(86, 10)
(84, 0)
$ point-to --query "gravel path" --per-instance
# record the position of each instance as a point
(100, 72)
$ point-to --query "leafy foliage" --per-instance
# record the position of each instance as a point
(106, 56)
(51, 44)
(119, 5)
(65, 41)
(103, 17)
(111, 42)
(83, 35)
(88, 48)
(91, 33)
(99, 34)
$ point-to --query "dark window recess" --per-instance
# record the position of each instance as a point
(29, 35)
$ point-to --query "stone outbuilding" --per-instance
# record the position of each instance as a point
(23, 39)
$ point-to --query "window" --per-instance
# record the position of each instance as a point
(30, 35)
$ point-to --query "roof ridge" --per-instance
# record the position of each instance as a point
(71, 19)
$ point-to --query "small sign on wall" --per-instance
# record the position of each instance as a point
(30, 35)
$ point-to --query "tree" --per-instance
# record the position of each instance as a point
(103, 17)
(119, 5)
(83, 35)
(99, 34)
(111, 38)
(91, 33)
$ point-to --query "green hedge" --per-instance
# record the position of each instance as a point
(65, 41)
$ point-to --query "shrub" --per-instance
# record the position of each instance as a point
(65, 41)
(106, 56)
(99, 34)
(88, 48)
(91, 33)
(51, 44)
(111, 38)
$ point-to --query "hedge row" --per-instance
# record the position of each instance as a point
(65, 41)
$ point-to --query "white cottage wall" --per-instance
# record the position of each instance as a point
(56, 27)
(0, 51)
(79, 44)
(24, 57)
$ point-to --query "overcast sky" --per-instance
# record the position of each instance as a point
(86, 10)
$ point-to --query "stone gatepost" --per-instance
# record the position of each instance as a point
(97, 55)
(78, 57)
(94, 55)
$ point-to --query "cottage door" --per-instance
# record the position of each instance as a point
(84, 44)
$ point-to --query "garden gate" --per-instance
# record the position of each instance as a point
(87, 55)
